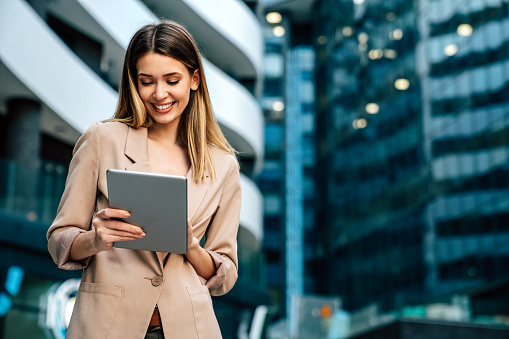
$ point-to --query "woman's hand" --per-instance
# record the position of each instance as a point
(108, 229)
(197, 256)
(191, 241)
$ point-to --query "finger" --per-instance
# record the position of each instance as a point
(123, 226)
(117, 233)
(110, 235)
(109, 213)
(125, 239)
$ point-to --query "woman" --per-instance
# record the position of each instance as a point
(163, 124)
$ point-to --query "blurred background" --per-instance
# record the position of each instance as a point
(373, 145)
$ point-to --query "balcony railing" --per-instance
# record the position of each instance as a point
(33, 193)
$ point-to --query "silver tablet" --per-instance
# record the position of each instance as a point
(157, 203)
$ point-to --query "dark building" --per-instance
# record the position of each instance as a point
(412, 148)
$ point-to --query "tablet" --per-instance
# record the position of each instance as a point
(157, 203)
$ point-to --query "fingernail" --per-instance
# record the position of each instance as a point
(126, 214)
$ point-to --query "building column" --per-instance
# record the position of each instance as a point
(23, 142)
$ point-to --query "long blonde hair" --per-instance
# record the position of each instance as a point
(198, 127)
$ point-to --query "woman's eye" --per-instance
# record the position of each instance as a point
(145, 83)
(173, 82)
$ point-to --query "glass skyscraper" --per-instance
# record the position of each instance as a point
(412, 155)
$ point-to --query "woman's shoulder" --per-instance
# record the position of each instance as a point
(219, 154)
(224, 161)
(110, 127)
(106, 129)
(111, 133)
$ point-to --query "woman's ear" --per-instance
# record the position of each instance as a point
(195, 80)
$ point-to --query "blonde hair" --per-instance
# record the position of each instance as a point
(198, 127)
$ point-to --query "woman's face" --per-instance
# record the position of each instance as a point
(164, 85)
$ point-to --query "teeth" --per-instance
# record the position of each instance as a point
(164, 106)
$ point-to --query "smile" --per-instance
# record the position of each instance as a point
(164, 106)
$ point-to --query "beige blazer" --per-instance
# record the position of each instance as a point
(121, 287)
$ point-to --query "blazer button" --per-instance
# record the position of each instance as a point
(157, 280)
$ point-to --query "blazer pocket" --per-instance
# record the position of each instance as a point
(204, 317)
(101, 288)
(96, 304)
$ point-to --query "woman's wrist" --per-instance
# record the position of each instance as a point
(83, 246)
(200, 259)
(194, 247)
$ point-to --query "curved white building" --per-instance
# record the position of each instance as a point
(60, 62)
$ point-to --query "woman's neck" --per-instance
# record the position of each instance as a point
(165, 133)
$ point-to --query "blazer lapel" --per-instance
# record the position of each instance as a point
(195, 194)
(136, 149)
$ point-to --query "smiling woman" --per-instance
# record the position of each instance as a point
(164, 86)
(163, 124)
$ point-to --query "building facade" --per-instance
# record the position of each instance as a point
(60, 66)
(412, 149)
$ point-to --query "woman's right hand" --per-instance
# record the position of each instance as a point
(108, 229)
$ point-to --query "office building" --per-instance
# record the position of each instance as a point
(412, 150)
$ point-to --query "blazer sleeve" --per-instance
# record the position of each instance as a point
(221, 237)
(78, 202)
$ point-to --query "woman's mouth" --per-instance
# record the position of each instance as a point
(163, 107)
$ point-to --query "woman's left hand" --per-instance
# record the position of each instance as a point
(198, 257)
(190, 238)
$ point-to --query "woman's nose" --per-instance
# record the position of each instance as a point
(160, 92)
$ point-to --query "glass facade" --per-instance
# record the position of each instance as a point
(271, 179)
(299, 181)
(412, 154)
(287, 178)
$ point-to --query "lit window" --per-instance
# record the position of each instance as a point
(465, 30)
(372, 108)
(347, 31)
(391, 16)
(278, 31)
(363, 38)
(273, 17)
(390, 53)
(375, 54)
(359, 123)
(396, 34)
(278, 106)
(322, 39)
(451, 49)
(402, 84)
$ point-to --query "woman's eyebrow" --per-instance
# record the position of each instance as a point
(164, 75)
